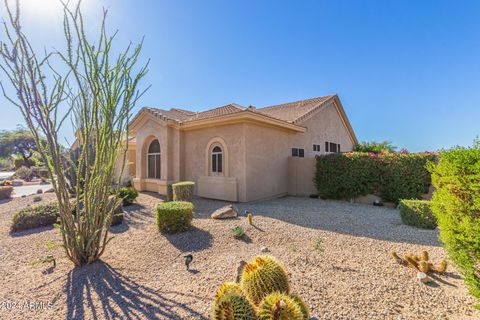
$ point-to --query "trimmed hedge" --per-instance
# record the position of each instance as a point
(35, 216)
(169, 192)
(127, 194)
(174, 216)
(392, 176)
(183, 191)
(417, 213)
(456, 205)
(5, 192)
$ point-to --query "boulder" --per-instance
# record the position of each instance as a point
(51, 190)
(225, 213)
(39, 191)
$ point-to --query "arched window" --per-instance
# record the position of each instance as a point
(217, 160)
(153, 157)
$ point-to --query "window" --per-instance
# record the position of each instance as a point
(298, 152)
(316, 147)
(217, 160)
(332, 147)
(153, 159)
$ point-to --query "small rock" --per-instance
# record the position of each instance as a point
(225, 213)
(39, 191)
(37, 199)
(264, 249)
(51, 190)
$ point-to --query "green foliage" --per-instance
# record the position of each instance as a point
(5, 192)
(376, 147)
(238, 232)
(169, 192)
(456, 205)
(20, 142)
(35, 216)
(318, 244)
(231, 303)
(183, 191)
(127, 194)
(417, 213)
(262, 276)
(393, 176)
(18, 162)
(6, 163)
(174, 216)
(279, 306)
(25, 173)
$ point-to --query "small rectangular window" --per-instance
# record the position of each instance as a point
(316, 147)
(333, 147)
(338, 147)
(301, 153)
(326, 146)
(294, 152)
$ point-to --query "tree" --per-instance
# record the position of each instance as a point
(376, 147)
(95, 86)
(19, 142)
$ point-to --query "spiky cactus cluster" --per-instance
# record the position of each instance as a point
(263, 293)
(420, 263)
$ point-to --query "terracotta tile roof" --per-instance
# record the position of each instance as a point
(291, 112)
(294, 111)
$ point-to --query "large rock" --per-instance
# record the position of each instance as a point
(225, 213)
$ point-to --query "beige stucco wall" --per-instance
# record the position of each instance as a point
(324, 125)
(301, 172)
(196, 143)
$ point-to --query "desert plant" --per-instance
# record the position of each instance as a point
(35, 216)
(302, 305)
(262, 276)
(174, 216)
(238, 232)
(250, 218)
(183, 191)
(373, 146)
(279, 306)
(127, 194)
(99, 87)
(24, 173)
(456, 205)
(231, 303)
(6, 163)
(417, 213)
(5, 192)
(318, 244)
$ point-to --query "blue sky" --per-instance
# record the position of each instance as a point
(406, 71)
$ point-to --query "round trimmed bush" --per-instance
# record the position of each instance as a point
(5, 192)
(417, 213)
(174, 216)
(127, 194)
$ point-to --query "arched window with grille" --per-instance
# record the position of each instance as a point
(154, 160)
(217, 160)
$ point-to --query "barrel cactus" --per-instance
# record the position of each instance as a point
(231, 304)
(302, 305)
(262, 276)
(279, 306)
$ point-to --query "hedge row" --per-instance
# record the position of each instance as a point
(392, 176)
(417, 213)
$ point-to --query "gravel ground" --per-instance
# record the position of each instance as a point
(141, 275)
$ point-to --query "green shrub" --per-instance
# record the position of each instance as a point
(6, 163)
(183, 191)
(117, 219)
(393, 176)
(238, 232)
(18, 162)
(174, 216)
(24, 173)
(169, 192)
(417, 213)
(128, 194)
(456, 205)
(35, 216)
(5, 192)
(373, 146)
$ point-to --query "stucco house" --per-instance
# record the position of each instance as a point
(232, 152)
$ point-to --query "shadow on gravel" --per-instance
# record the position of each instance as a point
(97, 291)
(342, 217)
(193, 240)
(30, 231)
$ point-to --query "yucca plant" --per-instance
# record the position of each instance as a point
(99, 88)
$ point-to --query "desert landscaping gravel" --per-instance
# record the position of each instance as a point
(349, 275)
